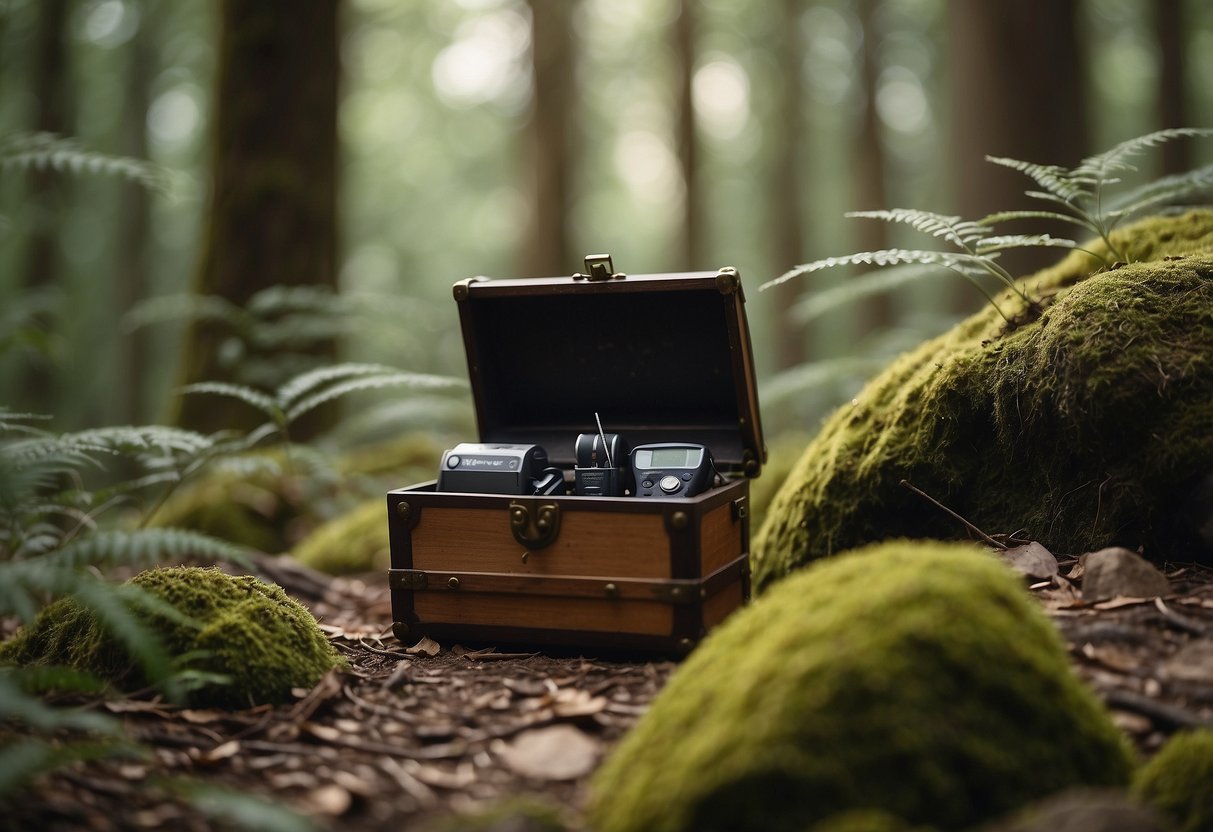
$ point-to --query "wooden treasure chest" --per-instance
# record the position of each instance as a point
(605, 505)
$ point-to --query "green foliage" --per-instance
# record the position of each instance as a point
(918, 679)
(1078, 196)
(241, 641)
(307, 391)
(1178, 781)
(46, 151)
(1086, 426)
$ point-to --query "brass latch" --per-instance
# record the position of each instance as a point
(599, 267)
(534, 524)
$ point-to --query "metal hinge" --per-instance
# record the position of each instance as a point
(599, 267)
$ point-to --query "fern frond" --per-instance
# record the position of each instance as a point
(1163, 191)
(1012, 216)
(1005, 242)
(884, 257)
(18, 705)
(142, 548)
(127, 439)
(1056, 180)
(185, 307)
(289, 393)
(416, 381)
(41, 151)
(254, 398)
(1102, 165)
(860, 287)
(953, 229)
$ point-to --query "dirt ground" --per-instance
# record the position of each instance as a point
(406, 739)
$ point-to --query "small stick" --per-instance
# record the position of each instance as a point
(996, 544)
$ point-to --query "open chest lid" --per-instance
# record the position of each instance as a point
(658, 357)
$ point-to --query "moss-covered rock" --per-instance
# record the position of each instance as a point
(917, 679)
(269, 502)
(1178, 781)
(240, 627)
(1087, 425)
(865, 820)
(354, 542)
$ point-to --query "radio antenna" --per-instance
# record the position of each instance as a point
(605, 447)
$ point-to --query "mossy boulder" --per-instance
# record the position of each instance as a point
(240, 627)
(1178, 781)
(271, 502)
(357, 541)
(1088, 421)
(916, 679)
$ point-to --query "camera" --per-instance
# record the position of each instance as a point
(491, 468)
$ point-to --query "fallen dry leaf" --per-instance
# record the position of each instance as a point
(426, 647)
(558, 752)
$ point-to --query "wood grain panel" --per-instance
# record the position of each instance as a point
(719, 539)
(589, 543)
(646, 617)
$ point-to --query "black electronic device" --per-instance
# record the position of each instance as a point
(600, 464)
(671, 469)
(493, 468)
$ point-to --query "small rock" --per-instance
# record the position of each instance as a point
(1116, 571)
(1031, 560)
(1191, 663)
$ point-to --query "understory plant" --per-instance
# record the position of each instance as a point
(1085, 197)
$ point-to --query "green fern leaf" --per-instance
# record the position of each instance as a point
(953, 229)
(1005, 242)
(46, 150)
(416, 381)
(254, 398)
(1101, 166)
(1057, 181)
(300, 385)
(142, 548)
(1167, 190)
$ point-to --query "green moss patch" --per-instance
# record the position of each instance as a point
(242, 628)
(1178, 781)
(1087, 425)
(916, 679)
(354, 542)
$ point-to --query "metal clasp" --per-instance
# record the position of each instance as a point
(534, 525)
(599, 267)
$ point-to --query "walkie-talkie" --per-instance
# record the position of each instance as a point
(599, 459)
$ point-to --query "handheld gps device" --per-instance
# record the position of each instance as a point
(671, 469)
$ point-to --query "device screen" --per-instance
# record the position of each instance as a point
(668, 458)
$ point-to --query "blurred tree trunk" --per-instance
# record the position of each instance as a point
(692, 253)
(1172, 85)
(872, 195)
(47, 196)
(788, 143)
(272, 218)
(1017, 70)
(135, 213)
(546, 249)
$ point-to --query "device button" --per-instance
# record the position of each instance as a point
(453, 461)
(647, 484)
(686, 477)
(669, 484)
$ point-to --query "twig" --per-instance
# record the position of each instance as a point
(1160, 711)
(996, 544)
(1178, 621)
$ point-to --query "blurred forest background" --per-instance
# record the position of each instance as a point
(331, 168)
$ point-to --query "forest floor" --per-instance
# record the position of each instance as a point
(408, 736)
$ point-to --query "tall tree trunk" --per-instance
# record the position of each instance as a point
(546, 249)
(693, 256)
(1017, 90)
(788, 139)
(272, 218)
(1172, 85)
(47, 195)
(869, 166)
(135, 211)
